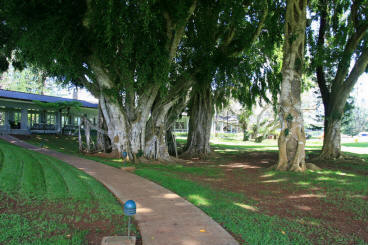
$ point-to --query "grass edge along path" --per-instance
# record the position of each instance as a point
(236, 213)
(213, 204)
(46, 201)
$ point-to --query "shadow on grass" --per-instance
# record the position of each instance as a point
(240, 216)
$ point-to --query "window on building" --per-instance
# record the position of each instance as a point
(76, 121)
(33, 117)
(2, 118)
(50, 118)
(17, 116)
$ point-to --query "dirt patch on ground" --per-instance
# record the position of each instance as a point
(75, 219)
(246, 173)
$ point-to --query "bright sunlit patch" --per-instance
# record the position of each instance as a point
(345, 174)
(303, 183)
(144, 210)
(326, 178)
(171, 196)
(307, 196)
(267, 175)
(245, 206)
(275, 180)
(309, 222)
(239, 165)
(198, 200)
(303, 207)
(116, 160)
(359, 196)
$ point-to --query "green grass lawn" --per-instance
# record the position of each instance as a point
(46, 201)
(356, 144)
(341, 185)
(69, 145)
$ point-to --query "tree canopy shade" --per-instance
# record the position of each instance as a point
(230, 49)
(122, 51)
(340, 55)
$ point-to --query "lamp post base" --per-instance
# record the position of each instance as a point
(118, 240)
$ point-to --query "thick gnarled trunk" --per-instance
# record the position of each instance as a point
(125, 136)
(200, 122)
(292, 137)
(332, 140)
(156, 146)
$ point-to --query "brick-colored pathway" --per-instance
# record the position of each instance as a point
(163, 217)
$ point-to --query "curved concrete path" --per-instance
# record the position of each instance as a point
(163, 217)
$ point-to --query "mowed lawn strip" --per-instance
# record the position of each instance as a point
(46, 201)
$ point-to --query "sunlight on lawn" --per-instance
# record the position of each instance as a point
(268, 175)
(245, 206)
(275, 180)
(198, 200)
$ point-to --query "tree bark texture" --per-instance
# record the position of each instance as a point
(200, 121)
(292, 136)
(171, 143)
(87, 132)
(165, 110)
(125, 135)
(103, 142)
(332, 140)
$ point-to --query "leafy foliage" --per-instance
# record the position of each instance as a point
(60, 105)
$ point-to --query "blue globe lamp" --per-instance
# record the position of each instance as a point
(130, 209)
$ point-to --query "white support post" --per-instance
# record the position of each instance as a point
(58, 121)
(24, 119)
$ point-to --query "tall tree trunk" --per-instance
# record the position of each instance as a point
(335, 92)
(87, 133)
(334, 110)
(245, 133)
(156, 141)
(171, 143)
(292, 137)
(125, 136)
(103, 142)
(200, 122)
(332, 140)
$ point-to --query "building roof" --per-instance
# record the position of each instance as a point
(44, 98)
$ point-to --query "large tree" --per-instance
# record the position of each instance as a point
(339, 48)
(227, 59)
(292, 137)
(122, 51)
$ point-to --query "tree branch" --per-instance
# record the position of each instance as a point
(358, 69)
(233, 48)
(354, 13)
(321, 80)
(175, 32)
(344, 64)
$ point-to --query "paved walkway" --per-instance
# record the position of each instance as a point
(163, 217)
